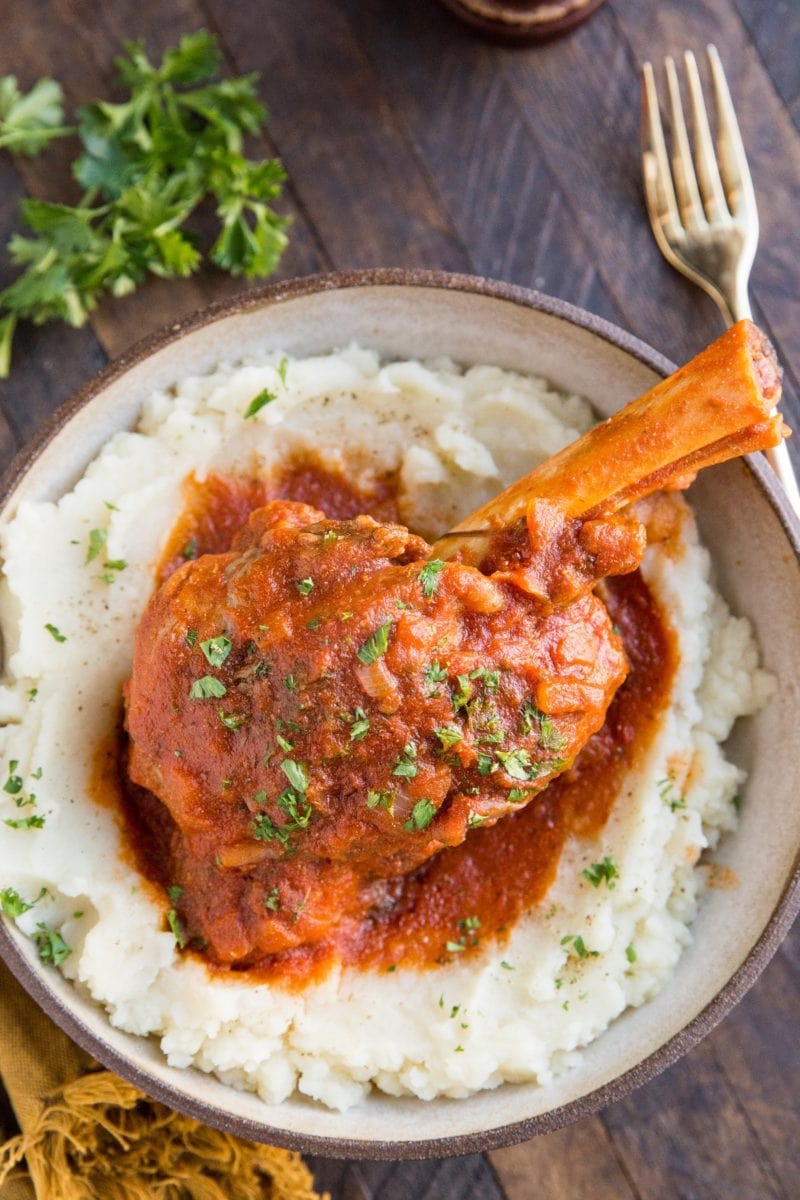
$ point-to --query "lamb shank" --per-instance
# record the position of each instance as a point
(329, 703)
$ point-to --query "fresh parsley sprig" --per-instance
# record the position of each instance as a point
(146, 165)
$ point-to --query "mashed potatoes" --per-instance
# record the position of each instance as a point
(77, 574)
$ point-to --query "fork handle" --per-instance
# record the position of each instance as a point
(736, 308)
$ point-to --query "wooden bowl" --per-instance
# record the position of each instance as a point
(755, 543)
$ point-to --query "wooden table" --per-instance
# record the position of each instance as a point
(410, 142)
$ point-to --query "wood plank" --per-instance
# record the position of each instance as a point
(758, 1049)
(48, 363)
(774, 29)
(466, 1178)
(686, 1135)
(480, 154)
(576, 1162)
(348, 153)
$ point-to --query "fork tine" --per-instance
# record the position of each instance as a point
(708, 179)
(662, 204)
(733, 160)
(683, 167)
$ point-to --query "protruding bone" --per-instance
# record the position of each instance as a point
(720, 405)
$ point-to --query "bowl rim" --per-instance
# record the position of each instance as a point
(762, 951)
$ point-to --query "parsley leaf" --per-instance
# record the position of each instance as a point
(264, 397)
(207, 687)
(12, 903)
(51, 945)
(97, 540)
(55, 632)
(449, 735)
(216, 650)
(376, 645)
(28, 121)
(598, 872)
(359, 726)
(405, 766)
(422, 814)
(296, 773)
(429, 577)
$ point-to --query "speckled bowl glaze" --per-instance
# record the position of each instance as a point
(755, 542)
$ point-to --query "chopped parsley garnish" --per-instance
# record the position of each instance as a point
(406, 766)
(284, 744)
(576, 943)
(296, 807)
(491, 679)
(598, 872)
(314, 623)
(216, 650)
(449, 736)
(376, 644)
(455, 947)
(290, 683)
(519, 795)
(232, 721)
(736, 801)
(97, 540)
(485, 763)
(304, 586)
(265, 830)
(51, 945)
(434, 674)
(34, 822)
(190, 637)
(666, 793)
(359, 725)
(189, 551)
(282, 368)
(506, 965)
(422, 814)
(549, 736)
(630, 953)
(207, 688)
(33, 693)
(14, 783)
(381, 800)
(175, 891)
(113, 567)
(173, 920)
(296, 773)
(264, 397)
(55, 632)
(13, 905)
(273, 900)
(516, 763)
(429, 577)
(463, 694)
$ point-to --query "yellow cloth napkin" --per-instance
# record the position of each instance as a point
(88, 1135)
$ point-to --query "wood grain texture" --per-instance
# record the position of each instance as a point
(773, 30)
(346, 147)
(579, 1161)
(411, 141)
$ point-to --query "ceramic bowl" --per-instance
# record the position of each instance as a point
(755, 543)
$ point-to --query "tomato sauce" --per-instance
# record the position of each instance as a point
(465, 894)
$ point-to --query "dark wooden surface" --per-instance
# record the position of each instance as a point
(410, 142)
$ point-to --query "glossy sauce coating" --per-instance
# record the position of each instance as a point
(464, 893)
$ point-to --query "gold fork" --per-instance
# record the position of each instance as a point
(702, 206)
